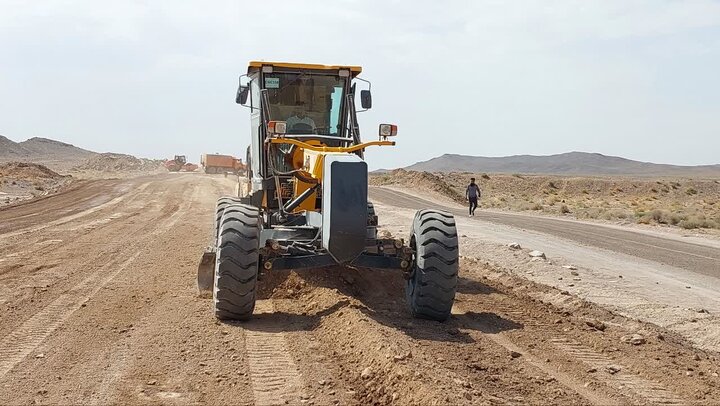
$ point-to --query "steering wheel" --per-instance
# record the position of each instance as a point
(301, 128)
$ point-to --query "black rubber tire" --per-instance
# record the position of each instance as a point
(220, 206)
(431, 288)
(372, 222)
(236, 263)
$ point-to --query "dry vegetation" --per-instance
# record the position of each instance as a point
(686, 203)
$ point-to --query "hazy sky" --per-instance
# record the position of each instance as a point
(638, 79)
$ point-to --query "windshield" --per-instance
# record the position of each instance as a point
(310, 104)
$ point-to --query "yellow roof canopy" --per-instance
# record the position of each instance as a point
(354, 70)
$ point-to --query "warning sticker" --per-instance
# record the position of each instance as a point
(272, 83)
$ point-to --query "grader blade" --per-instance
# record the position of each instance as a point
(206, 273)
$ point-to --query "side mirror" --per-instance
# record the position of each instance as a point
(365, 99)
(242, 94)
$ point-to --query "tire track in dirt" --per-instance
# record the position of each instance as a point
(381, 355)
(275, 377)
(571, 383)
(67, 219)
(22, 341)
(563, 347)
(19, 343)
(132, 203)
(653, 392)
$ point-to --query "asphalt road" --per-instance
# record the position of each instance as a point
(697, 258)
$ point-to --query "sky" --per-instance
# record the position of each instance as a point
(637, 79)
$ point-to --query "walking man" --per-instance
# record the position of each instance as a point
(472, 193)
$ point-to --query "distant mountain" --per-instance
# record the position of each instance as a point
(571, 163)
(47, 148)
(54, 154)
(11, 150)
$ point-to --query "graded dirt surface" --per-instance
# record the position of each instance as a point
(98, 305)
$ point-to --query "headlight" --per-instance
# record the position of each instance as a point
(277, 127)
(388, 130)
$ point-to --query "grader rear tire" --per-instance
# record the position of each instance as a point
(431, 288)
(236, 263)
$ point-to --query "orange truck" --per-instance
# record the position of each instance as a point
(216, 163)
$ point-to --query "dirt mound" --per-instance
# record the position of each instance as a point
(24, 170)
(419, 181)
(110, 162)
(21, 181)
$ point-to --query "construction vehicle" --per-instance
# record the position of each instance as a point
(179, 163)
(175, 164)
(306, 205)
(216, 163)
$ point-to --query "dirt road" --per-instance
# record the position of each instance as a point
(98, 305)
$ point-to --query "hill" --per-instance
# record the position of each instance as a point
(11, 150)
(571, 163)
(56, 155)
(47, 148)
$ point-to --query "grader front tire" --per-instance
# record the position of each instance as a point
(236, 264)
(431, 288)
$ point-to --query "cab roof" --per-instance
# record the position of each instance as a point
(253, 65)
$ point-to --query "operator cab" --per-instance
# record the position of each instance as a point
(312, 103)
(315, 101)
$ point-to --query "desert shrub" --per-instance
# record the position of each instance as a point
(526, 205)
(696, 222)
(654, 190)
(517, 175)
(590, 213)
(691, 191)
(552, 185)
(564, 209)
(673, 219)
(658, 216)
(485, 176)
(613, 214)
(585, 192)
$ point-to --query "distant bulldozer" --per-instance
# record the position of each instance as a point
(179, 163)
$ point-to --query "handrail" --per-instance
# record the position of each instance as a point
(322, 148)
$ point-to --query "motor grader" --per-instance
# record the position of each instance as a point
(305, 201)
